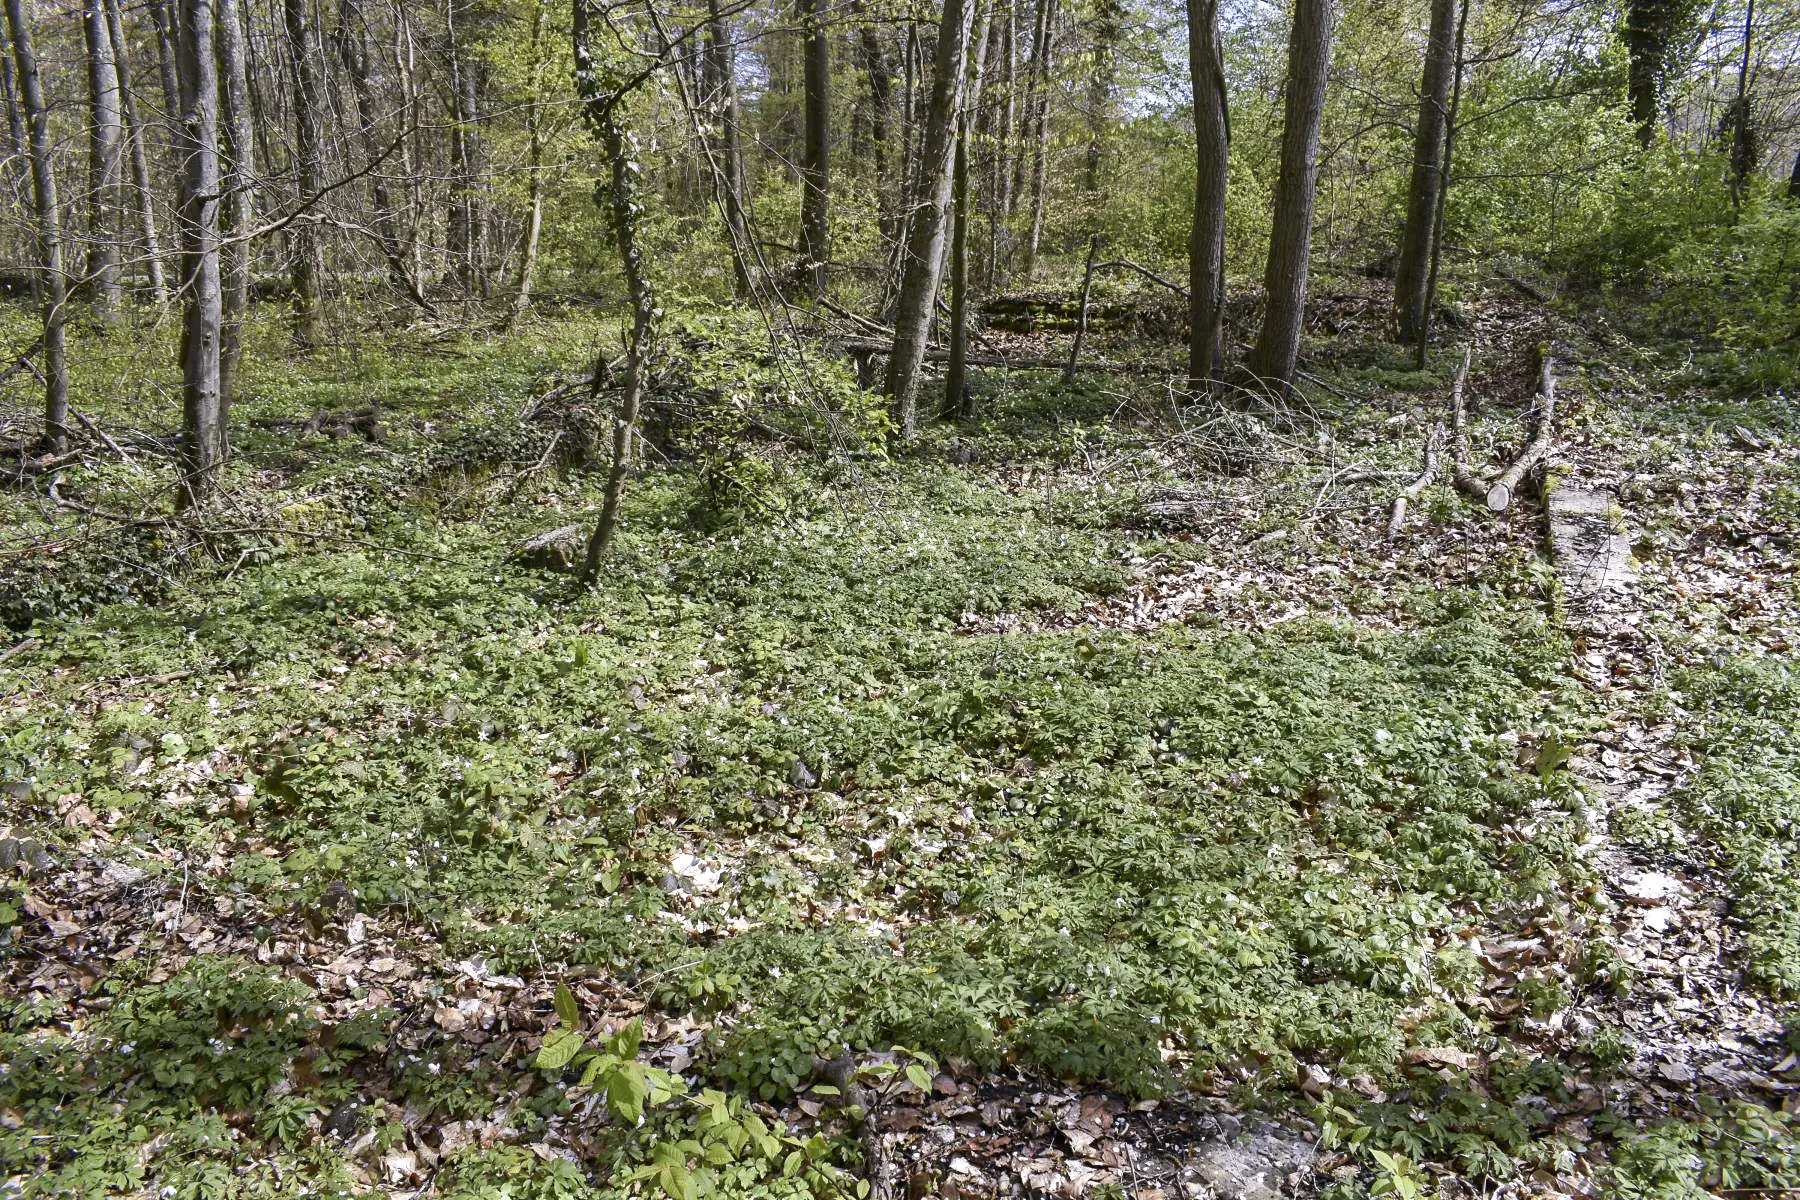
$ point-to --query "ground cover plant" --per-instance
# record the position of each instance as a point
(971, 599)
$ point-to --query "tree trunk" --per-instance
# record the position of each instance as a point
(1653, 31)
(722, 105)
(1445, 169)
(309, 104)
(139, 158)
(365, 85)
(240, 203)
(1040, 132)
(105, 163)
(1004, 122)
(1427, 173)
(881, 88)
(1793, 187)
(815, 167)
(1743, 155)
(1206, 240)
(624, 211)
(534, 219)
(957, 401)
(165, 60)
(202, 428)
(925, 232)
(1290, 242)
(1107, 15)
(54, 291)
(467, 216)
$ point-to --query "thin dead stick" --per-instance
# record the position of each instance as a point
(100, 433)
(1427, 472)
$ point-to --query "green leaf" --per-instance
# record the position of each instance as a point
(558, 1050)
(795, 1161)
(626, 1089)
(567, 1010)
(678, 1182)
(920, 1078)
(628, 1039)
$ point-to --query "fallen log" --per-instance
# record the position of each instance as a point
(1427, 472)
(859, 347)
(1466, 481)
(1501, 491)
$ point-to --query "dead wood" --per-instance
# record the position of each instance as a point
(1502, 490)
(1427, 472)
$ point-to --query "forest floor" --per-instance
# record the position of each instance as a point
(1094, 794)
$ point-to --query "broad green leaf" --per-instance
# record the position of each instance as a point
(559, 1049)
(567, 1010)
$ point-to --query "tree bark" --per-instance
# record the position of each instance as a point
(240, 203)
(165, 59)
(467, 216)
(105, 163)
(138, 158)
(1290, 243)
(925, 232)
(1040, 131)
(815, 168)
(1427, 173)
(1206, 239)
(202, 427)
(309, 104)
(957, 401)
(1743, 154)
(721, 106)
(623, 211)
(534, 220)
(1654, 31)
(53, 294)
(352, 38)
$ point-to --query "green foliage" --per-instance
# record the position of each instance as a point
(219, 1032)
(1746, 800)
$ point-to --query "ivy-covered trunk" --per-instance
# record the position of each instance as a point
(601, 99)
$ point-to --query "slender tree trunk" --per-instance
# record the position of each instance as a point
(138, 158)
(1040, 133)
(722, 105)
(1743, 152)
(352, 40)
(1427, 173)
(534, 219)
(925, 232)
(957, 401)
(1793, 186)
(240, 201)
(1212, 144)
(881, 87)
(1290, 242)
(18, 161)
(54, 291)
(105, 163)
(165, 59)
(309, 105)
(623, 210)
(467, 216)
(1004, 119)
(202, 425)
(815, 169)
(1443, 191)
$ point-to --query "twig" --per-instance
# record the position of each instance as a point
(1427, 472)
(100, 433)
